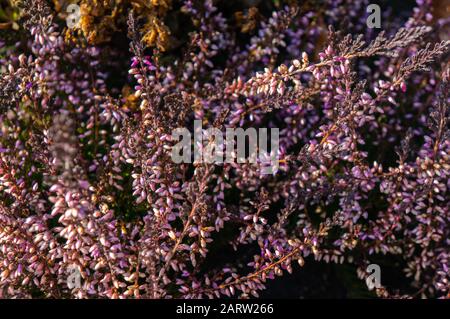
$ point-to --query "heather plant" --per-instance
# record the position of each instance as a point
(87, 181)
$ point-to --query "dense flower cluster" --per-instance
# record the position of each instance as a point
(87, 180)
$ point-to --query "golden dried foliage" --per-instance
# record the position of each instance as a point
(247, 21)
(130, 101)
(101, 18)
